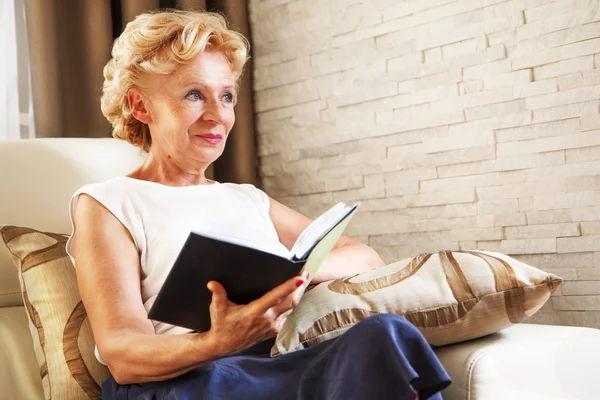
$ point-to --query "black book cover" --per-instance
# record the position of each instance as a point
(245, 273)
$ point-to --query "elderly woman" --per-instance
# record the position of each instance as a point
(170, 89)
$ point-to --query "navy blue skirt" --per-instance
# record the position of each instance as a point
(382, 357)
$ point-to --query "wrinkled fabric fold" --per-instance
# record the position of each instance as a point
(382, 357)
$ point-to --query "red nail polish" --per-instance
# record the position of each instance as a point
(306, 275)
(299, 282)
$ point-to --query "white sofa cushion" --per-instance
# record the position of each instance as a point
(20, 377)
(39, 177)
(533, 362)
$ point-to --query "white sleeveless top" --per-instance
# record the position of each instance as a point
(160, 218)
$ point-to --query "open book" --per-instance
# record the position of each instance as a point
(247, 269)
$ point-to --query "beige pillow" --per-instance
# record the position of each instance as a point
(62, 337)
(450, 296)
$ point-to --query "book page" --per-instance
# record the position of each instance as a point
(324, 247)
(248, 238)
(316, 229)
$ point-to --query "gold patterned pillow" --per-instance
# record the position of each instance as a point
(450, 296)
(63, 341)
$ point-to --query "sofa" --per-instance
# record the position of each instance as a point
(37, 177)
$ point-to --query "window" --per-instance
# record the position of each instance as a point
(16, 110)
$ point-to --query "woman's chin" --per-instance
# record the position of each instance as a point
(207, 154)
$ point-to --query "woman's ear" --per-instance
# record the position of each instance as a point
(138, 104)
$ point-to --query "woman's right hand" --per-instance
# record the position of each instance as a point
(236, 327)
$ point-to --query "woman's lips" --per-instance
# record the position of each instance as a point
(211, 138)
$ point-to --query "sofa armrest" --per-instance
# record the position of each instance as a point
(525, 361)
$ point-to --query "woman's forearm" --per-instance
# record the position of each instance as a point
(139, 357)
(348, 260)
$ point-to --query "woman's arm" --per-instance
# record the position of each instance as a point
(348, 257)
(108, 275)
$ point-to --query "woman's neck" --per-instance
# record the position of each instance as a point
(165, 170)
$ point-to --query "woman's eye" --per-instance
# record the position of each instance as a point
(228, 98)
(194, 95)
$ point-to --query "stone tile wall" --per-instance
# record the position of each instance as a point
(458, 124)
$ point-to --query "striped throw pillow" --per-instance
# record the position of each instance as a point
(450, 296)
(63, 341)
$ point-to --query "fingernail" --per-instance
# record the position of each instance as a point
(306, 275)
(299, 282)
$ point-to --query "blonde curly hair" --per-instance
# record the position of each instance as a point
(158, 43)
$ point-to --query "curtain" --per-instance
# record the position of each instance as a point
(69, 44)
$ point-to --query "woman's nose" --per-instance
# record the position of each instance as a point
(214, 112)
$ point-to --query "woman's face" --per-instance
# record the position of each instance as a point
(192, 111)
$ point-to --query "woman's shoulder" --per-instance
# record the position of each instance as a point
(118, 195)
(250, 192)
(246, 188)
(115, 185)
